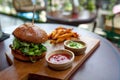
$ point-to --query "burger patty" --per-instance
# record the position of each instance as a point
(20, 56)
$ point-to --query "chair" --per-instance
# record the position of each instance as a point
(25, 6)
(112, 28)
(24, 9)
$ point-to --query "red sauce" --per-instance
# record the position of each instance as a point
(59, 58)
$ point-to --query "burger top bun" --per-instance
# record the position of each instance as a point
(30, 33)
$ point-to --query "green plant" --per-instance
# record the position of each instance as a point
(90, 5)
(112, 3)
(87, 4)
(1, 1)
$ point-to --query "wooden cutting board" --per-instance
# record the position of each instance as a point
(40, 71)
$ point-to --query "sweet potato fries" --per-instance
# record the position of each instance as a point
(61, 34)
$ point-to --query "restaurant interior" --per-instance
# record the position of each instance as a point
(12, 13)
(104, 24)
(99, 19)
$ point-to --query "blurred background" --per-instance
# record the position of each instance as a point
(106, 22)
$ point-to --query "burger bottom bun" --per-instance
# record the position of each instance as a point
(19, 56)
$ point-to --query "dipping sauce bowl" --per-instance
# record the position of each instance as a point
(76, 46)
(60, 59)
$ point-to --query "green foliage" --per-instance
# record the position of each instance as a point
(1, 1)
(90, 5)
(67, 6)
(112, 3)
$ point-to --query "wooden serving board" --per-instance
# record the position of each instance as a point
(40, 71)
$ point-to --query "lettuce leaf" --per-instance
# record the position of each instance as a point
(28, 48)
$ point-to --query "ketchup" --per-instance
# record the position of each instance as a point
(59, 58)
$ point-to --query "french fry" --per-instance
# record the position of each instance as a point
(61, 34)
(60, 27)
(57, 34)
(52, 41)
(69, 30)
(53, 34)
(75, 35)
(66, 35)
(60, 40)
(50, 36)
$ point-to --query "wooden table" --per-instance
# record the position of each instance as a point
(103, 64)
(74, 19)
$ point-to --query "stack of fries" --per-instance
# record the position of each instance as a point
(61, 34)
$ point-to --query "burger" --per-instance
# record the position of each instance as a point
(27, 44)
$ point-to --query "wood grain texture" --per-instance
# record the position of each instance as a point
(39, 70)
